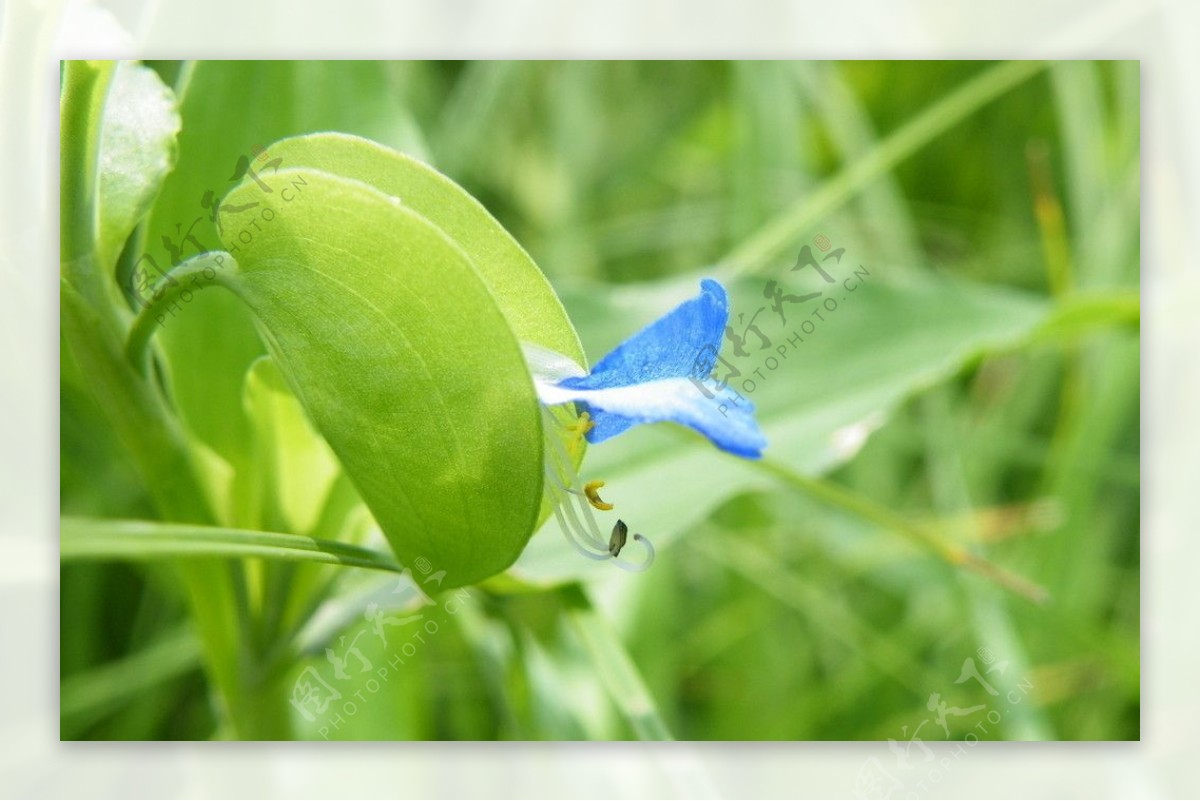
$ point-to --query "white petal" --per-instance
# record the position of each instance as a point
(728, 424)
(548, 366)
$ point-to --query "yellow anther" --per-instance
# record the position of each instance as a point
(581, 426)
(578, 431)
(590, 490)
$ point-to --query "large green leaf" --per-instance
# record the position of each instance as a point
(230, 109)
(137, 151)
(401, 356)
(520, 289)
(881, 344)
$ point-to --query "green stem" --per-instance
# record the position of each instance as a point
(1086, 313)
(134, 407)
(887, 519)
(780, 233)
(158, 445)
(188, 276)
(614, 667)
(85, 86)
(93, 328)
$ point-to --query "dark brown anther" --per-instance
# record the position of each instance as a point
(617, 541)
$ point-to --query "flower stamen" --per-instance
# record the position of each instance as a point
(578, 431)
(582, 424)
(590, 489)
(573, 505)
(617, 541)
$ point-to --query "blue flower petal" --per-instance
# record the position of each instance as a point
(673, 346)
(653, 376)
(730, 426)
(605, 425)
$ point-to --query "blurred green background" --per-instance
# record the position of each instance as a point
(996, 208)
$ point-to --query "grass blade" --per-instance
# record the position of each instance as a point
(949, 552)
(141, 540)
(615, 667)
(89, 695)
(935, 120)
